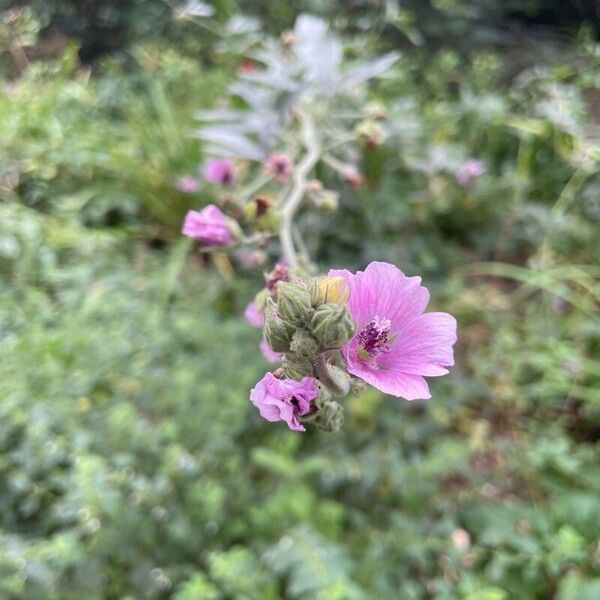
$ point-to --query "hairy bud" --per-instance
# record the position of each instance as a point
(304, 344)
(277, 333)
(297, 367)
(293, 303)
(329, 416)
(332, 325)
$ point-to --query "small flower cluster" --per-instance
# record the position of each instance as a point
(332, 332)
(336, 332)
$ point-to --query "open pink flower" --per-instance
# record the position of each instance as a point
(219, 170)
(284, 399)
(395, 343)
(469, 170)
(253, 315)
(209, 225)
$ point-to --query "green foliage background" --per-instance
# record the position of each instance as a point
(131, 462)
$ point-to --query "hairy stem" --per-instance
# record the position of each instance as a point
(301, 173)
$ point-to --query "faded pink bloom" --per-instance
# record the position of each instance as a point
(352, 176)
(469, 170)
(279, 273)
(251, 258)
(461, 539)
(269, 354)
(280, 166)
(219, 170)
(284, 399)
(395, 343)
(210, 226)
(253, 315)
(187, 184)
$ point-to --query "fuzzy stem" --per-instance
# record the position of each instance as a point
(300, 179)
(325, 376)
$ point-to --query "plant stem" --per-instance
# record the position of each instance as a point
(290, 206)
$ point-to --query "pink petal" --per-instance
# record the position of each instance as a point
(254, 316)
(424, 346)
(391, 381)
(269, 354)
(383, 289)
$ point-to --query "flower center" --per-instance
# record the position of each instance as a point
(373, 339)
(293, 401)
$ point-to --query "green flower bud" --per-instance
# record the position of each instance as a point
(304, 344)
(332, 325)
(277, 333)
(296, 367)
(336, 380)
(293, 303)
(329, 416)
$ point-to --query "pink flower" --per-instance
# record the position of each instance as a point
(395, 343)
(219, 170)
(269, 354)
(254, 316)
(210, 226)
(284, 399)
(187, 184)
(251, 258)
(280, 165)
(469, 170)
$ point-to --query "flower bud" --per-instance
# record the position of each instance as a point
(293, 303)
(304, 344)
(371, 131)
(376, 110)
(296, 367)
(332, 325)
(336, 380)
(329, 416)
(332, 290)
(326, 200)
(277, 333)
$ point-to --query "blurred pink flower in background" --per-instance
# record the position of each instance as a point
(461, 539)
(254, 316)
(219, 170)
(251, 258)
(187, 184)
(284, 399)
(395, 343)
(469, 170)
(209, 225)
(280, 166)
(269, 354)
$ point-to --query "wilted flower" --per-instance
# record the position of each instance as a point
(219, 170)
(269, 354)
(210, 226)
(253, 315)
(469, 170)
(280, 166)
(284, 399)
(187, 184)
(279, 273)
(395, 343)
